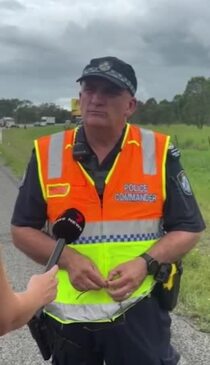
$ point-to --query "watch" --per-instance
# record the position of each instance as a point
(152, 264)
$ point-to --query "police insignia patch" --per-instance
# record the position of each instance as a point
(184, 183)
(105, 66)
(173, 151)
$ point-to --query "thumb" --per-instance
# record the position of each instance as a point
(53, 271)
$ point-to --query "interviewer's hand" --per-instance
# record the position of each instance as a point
(43, 287)
(83, 273)
(124, 279)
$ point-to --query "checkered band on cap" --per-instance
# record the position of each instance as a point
(113, 69)
(112, 73)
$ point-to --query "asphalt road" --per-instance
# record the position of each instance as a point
(18, 347)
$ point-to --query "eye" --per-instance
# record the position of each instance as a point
(113, 90)
(88, 88)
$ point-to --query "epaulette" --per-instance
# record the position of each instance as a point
(173, 152)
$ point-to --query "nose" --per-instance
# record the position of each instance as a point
(97, 97)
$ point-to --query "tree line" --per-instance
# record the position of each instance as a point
(191, 107)
(24, 111)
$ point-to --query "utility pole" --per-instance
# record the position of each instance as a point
(0, 135)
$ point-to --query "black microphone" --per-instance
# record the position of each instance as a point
(66, 229)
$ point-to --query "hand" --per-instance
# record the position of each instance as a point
(84, 275)
(126, 278)
(43, 287)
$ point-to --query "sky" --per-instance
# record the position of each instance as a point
(45, 44)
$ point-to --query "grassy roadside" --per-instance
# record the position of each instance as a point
(194, 300)
(18, 143)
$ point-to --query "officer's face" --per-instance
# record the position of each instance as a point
(104, 104)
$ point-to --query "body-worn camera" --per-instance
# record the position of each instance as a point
(167, 287)
(81, 152)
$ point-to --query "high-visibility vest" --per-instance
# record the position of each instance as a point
(124, 225)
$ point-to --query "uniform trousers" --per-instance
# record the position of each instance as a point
(139, 337)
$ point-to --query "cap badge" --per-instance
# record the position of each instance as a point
(105, 66)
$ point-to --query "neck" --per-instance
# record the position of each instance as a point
(102, 137)
(102, 140)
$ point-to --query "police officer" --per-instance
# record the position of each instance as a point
(140, 213)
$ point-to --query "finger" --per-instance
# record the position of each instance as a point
(114, 274)
(96, 278)
(92, 285)
(85, 285)
(120, 296)
(117, 283)
(120, 292)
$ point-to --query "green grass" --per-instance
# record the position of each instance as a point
(194, 298)
(186, 136)
(194, 144)
(18, 143)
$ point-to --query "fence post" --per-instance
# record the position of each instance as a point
(176, 140)
(1, 135)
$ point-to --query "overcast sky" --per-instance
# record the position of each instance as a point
(44, 44)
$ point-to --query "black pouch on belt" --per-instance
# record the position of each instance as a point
(40, 332)
(167, 287)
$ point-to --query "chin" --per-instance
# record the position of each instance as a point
(95, 122)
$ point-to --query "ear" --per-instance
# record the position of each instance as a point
(132, 104)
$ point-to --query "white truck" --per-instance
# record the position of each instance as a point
(47, 121)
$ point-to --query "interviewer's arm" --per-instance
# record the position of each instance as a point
(18, 308)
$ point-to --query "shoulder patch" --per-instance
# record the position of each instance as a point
(184, 183)
(173, 151)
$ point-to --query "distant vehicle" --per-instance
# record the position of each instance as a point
(43, 124)
(10, 124)
(40, 124)
(15, 125)
(67, 124)
(48, 120)
(36, 124)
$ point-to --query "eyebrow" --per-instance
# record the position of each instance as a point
(106, 85)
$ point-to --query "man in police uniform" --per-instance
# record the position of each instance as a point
(105, 147)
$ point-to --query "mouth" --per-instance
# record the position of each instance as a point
(96, 113)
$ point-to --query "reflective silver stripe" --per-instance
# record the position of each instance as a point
(55, 155)
(93, 312)
(148, 149)
(121, 231)
(114, 227)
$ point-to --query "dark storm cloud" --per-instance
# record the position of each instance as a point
(167, 44)
(33, 54)
(175, 34)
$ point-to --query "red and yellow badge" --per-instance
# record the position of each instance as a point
(56, 190)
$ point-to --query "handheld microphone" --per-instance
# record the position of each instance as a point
(67, 228)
